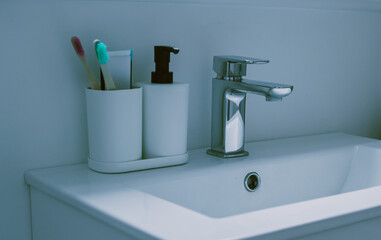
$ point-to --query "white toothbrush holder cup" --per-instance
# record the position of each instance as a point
(114, 121)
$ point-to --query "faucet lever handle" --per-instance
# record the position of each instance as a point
(233, 66)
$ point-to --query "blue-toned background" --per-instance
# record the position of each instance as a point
(331, 56)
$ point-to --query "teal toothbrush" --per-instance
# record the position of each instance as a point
(101, 52)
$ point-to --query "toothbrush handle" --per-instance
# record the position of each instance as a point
(103, 87)
(108, 79)
(92, 80)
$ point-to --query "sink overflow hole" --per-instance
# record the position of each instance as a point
(252, 181)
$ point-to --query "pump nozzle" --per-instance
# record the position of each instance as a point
(162, 59)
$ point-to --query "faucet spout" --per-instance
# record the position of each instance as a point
(272, 91)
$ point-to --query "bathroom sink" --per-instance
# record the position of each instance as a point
(313, 171)
(314, 187)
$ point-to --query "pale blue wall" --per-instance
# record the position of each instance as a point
(331, 57)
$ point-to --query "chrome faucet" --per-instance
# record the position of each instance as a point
(228, 103)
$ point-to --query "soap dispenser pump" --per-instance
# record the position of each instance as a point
(162, 59)
(165, 109)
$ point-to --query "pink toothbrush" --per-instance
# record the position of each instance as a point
(81, 54)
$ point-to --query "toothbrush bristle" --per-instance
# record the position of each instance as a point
(77, 46)
(101, 51)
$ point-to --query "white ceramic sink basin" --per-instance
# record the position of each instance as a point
(290, 176)
(315, 187)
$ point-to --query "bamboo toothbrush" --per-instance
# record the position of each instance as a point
(101, 52)
(81, 54)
